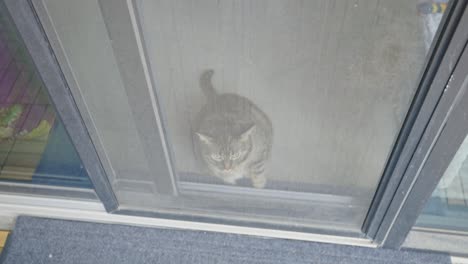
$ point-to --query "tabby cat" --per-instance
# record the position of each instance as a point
(232, 136)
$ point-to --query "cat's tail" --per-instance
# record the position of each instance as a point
(206, 84)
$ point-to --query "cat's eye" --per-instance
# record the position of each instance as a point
(235, 156)
(216, 157)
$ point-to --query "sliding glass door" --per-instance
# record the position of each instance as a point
(283, 114)
(278, 112)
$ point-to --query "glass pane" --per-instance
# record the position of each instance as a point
(35, 149)
(448, 205)
(303, 96)
(281, 112)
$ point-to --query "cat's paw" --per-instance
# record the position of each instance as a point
(259, 182)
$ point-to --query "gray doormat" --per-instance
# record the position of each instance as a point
(40, 240)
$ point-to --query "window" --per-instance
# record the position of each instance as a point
(36, 153)
(312, 116)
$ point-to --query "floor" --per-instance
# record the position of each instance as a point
(454, 259)
(82, 242)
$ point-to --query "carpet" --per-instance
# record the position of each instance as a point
(41, 240)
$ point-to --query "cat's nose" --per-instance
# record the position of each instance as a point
(227, 165)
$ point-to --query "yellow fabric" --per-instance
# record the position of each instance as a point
(3, 237)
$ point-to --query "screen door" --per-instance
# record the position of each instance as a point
(279, 112)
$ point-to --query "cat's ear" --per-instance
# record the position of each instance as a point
(246, 134)
(204, 138)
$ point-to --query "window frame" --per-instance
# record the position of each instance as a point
(445, 133)
(410, 195)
